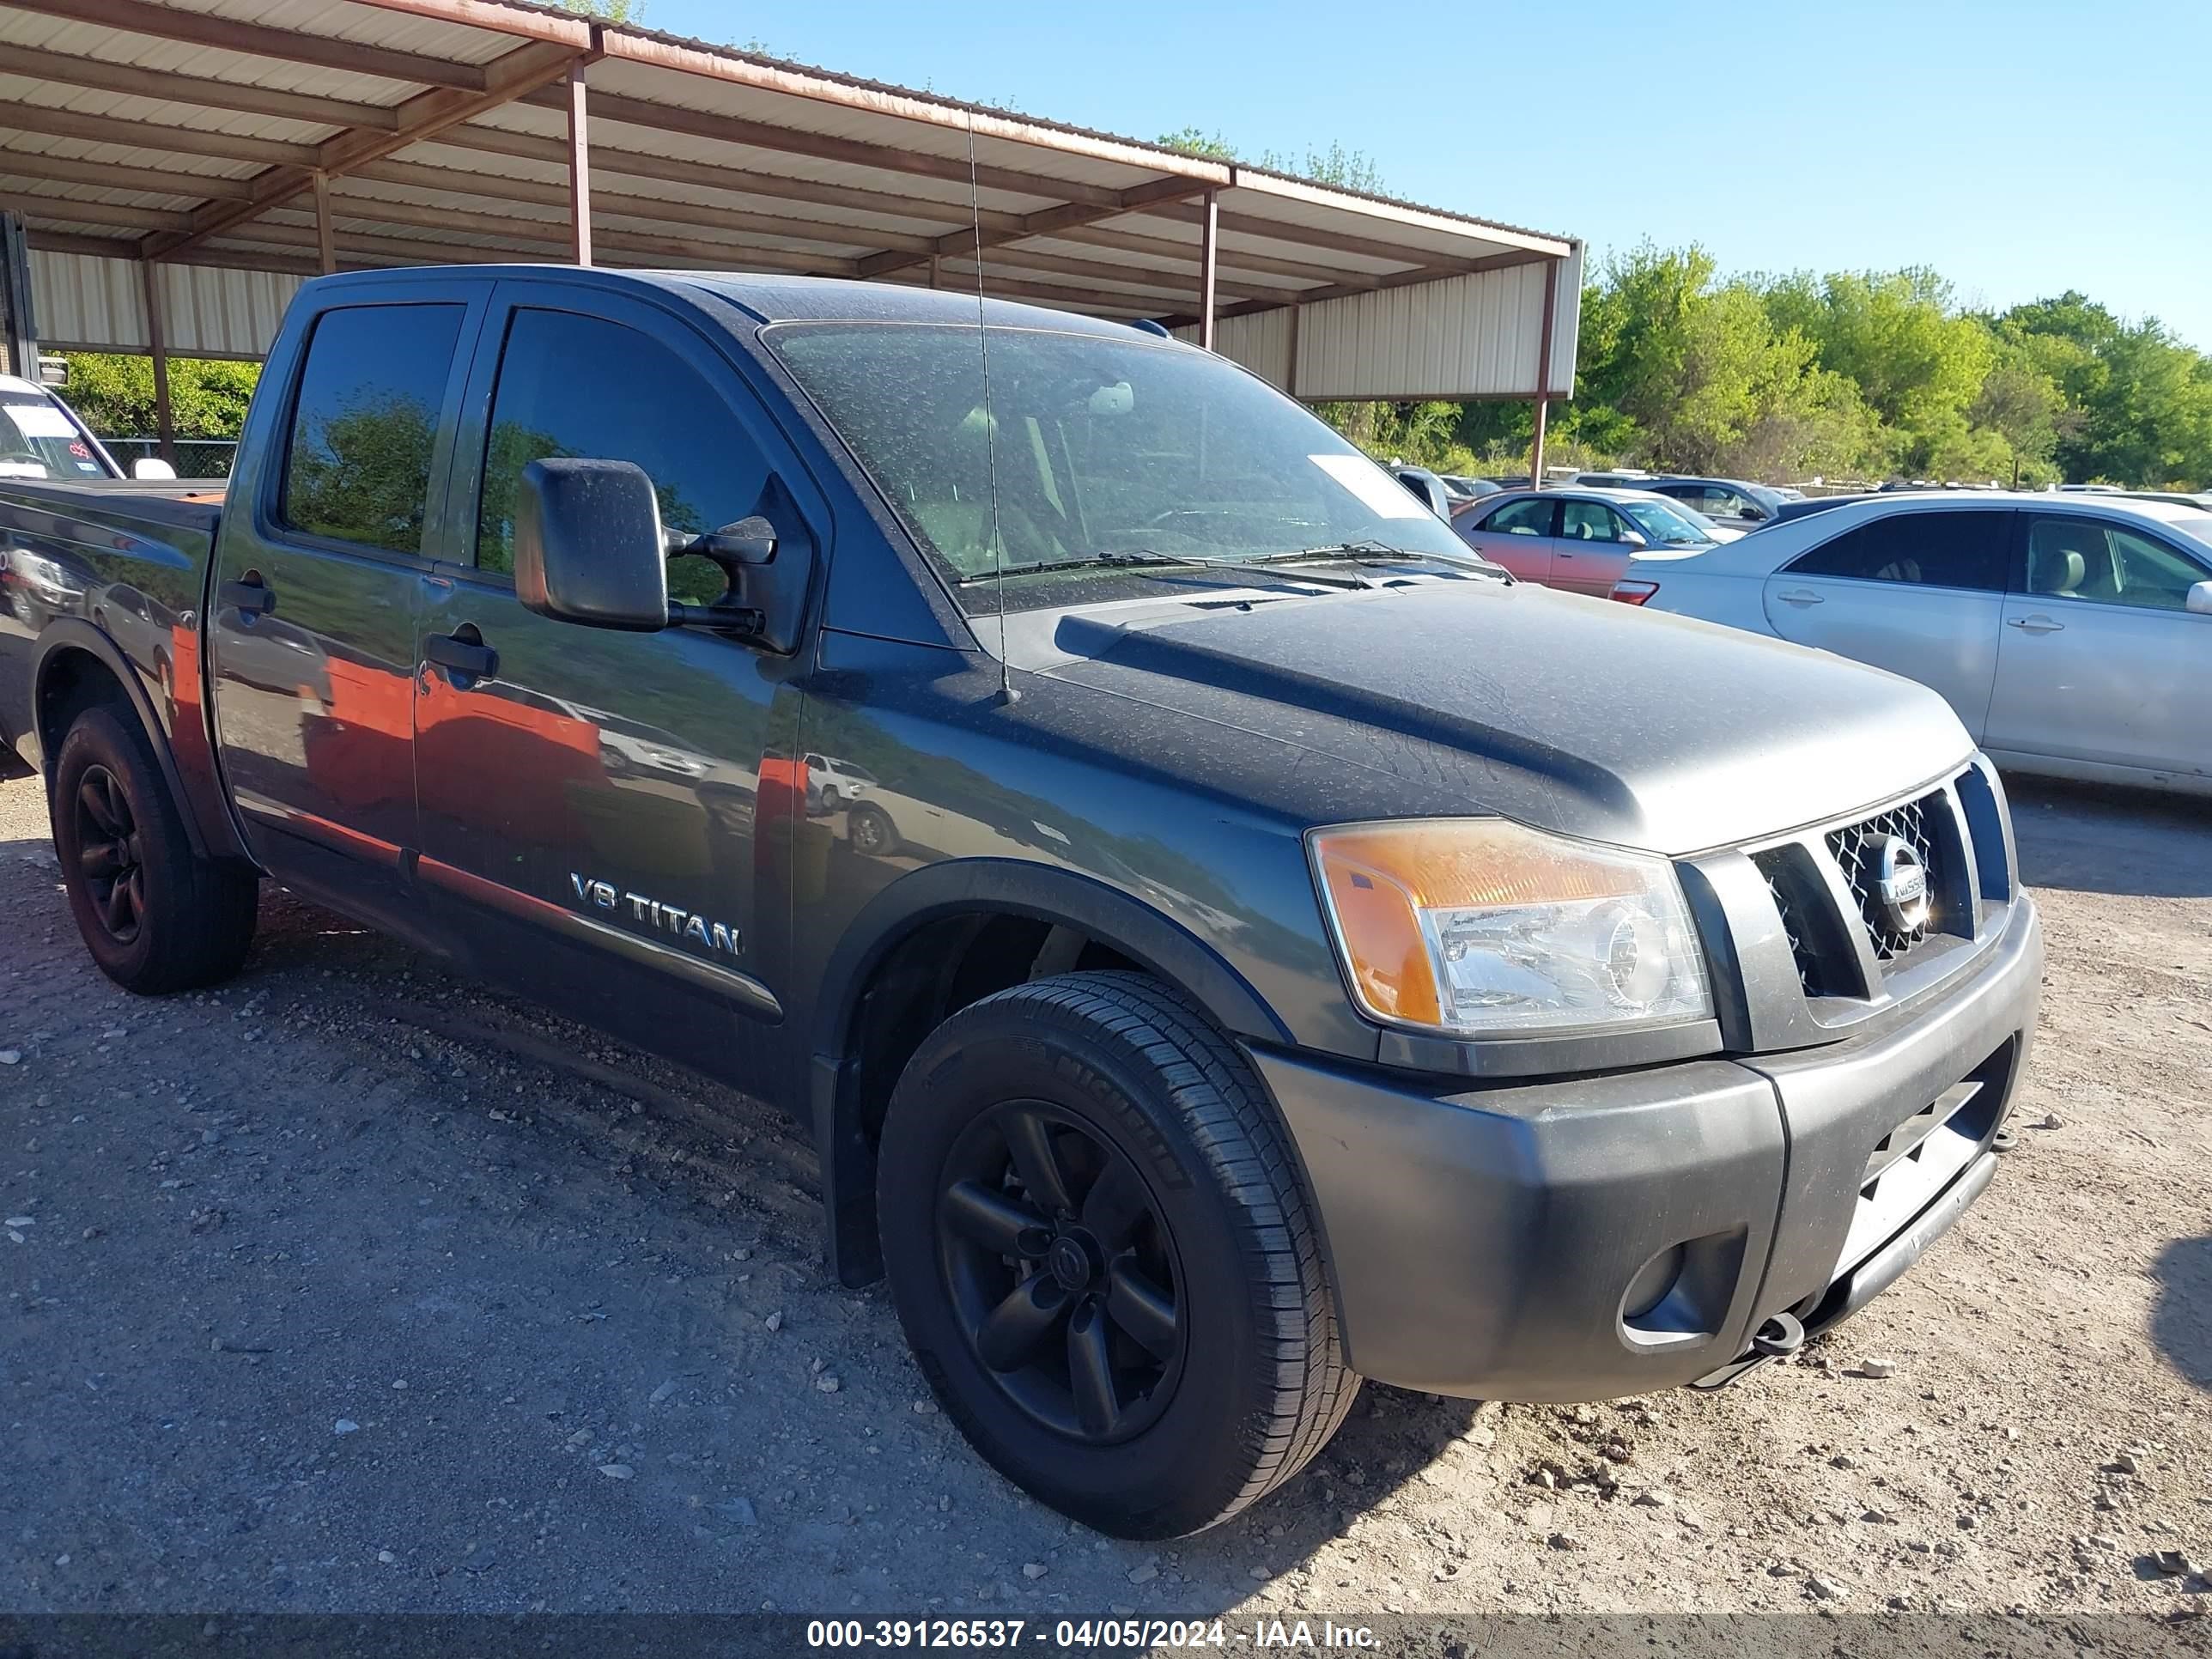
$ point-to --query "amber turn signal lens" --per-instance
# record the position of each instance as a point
(1478, 925)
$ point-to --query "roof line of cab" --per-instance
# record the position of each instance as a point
(774, 297)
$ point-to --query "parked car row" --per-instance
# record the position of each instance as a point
(1734, 502)
(2072, 634)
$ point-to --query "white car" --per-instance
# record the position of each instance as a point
(832, 783)
(41, 437)
(2073, 633)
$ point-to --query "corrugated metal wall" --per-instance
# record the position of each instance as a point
(1463, 336)
(87, 303)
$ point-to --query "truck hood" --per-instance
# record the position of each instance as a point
(1573, 715)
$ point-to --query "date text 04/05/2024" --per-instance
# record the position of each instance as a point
(1085, 1633)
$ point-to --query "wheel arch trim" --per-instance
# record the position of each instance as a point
(1045, 893)
(967, 886)
(73, 636)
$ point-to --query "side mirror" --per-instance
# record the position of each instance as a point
(146, 466)
(588, 547)
(1634, 539)
(2200, 599)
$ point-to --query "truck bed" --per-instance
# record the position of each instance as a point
(123, 559)
(159, 504)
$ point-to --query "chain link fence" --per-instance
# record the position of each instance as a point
(196, 458)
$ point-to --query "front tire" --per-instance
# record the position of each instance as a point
(156, 917)
(870, 832)
(1104, 1257)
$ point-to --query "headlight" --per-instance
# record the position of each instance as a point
(1477, 927)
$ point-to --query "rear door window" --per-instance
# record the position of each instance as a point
(1921, 549)
(1528, 518)
(1588, 522)
(365, 423)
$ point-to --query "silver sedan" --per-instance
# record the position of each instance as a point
(2073, 633)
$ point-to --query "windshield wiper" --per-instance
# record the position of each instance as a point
(1088, 562)
(1150, 559)
(1375, 552)
(1368, 552)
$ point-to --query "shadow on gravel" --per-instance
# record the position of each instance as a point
(2095, 838)
(2181, 1318)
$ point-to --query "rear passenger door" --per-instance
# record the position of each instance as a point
(1588, 555)
(324, 545)
(2100, 660)
(1917, 592)
(1518, 536)
(593, 825)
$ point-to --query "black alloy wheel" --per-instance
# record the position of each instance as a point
(1062, 1272)
(1103, 1255)
(110, 857)
(155, 916)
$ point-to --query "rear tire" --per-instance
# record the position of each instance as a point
(1104, 1257)
(156, 917)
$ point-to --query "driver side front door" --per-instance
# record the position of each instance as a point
(595, 825)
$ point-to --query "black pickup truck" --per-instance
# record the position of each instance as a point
(1224, 940)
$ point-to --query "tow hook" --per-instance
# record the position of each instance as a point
(1778, 1336)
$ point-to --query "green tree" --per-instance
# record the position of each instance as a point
(1189, 141)
(608, 11)
(1916, 360)
(1345, 169)
(2022, 405)
(114, 393)
(2141, 401)
(1860, 375)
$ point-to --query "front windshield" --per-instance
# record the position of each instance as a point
(1665, 527)
(38, 439)
(1107, 449)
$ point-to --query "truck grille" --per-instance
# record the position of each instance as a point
(1826, 886)
(1853, 848)
(1793, 906)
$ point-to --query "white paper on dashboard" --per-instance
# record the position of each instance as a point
(1377, 489)
(39, 420)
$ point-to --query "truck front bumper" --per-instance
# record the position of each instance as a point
(1607, 1234)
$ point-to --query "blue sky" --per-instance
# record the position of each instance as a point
(2020, 148)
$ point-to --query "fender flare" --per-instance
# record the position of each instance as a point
(68, 633)
(1048, 893)
(1004, 886)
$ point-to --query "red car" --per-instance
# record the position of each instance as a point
(1579, 538)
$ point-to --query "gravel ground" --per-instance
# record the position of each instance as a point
(351, 1287)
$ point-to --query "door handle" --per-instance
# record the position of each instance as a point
(2038, 624)
(253, 596)
(466, 659)
(1801, 598)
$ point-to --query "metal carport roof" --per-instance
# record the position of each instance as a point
(208, 152)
